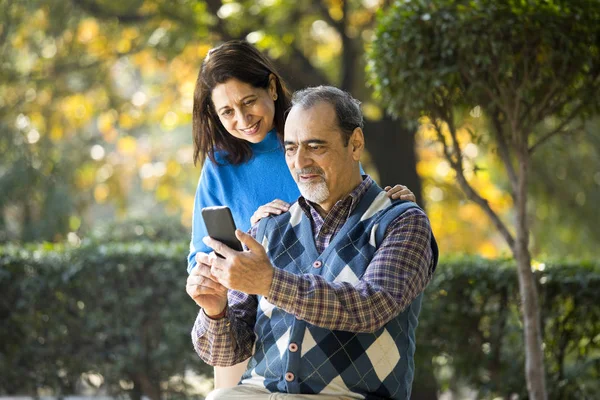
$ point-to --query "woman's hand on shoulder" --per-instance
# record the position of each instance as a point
(276, 207)
(400, 192)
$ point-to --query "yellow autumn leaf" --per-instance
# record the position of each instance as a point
(148, 184)
(162, 192)
(127, 145)
(40, 19)
(99, 47)
(126, 121)
(18, 42)
(130, 33)
(85, 177)
(142, 159)
(77, 109)
(186, 88)
(372, 111)
(336, 11)
(56, 133)
(110, 135)
(101, 193)
(106, 121)
(88, 30)
(488, 250)
(38, 121)
(43, 98)
(173, 168)
(202, 50)
(123, 45)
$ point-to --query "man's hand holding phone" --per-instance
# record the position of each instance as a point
(248, 271)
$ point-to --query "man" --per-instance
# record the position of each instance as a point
(326, 297)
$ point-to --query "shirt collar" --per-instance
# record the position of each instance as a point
(354, 197)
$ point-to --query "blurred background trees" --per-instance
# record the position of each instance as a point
(95, 107)
(95, 113)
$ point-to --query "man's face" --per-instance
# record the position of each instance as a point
(324, 169)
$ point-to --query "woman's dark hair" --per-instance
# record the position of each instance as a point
(240, 60)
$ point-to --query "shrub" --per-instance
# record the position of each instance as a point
(118, 310)
(121, 311)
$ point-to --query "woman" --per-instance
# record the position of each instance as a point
(238, 120)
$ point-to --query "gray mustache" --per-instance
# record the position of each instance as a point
(310, 171)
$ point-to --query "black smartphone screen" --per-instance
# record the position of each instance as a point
(220, 226)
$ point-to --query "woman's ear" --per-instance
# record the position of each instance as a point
(273, 86)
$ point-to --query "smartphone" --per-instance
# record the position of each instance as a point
(220, 226)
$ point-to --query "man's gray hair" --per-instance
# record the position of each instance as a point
(347, 108)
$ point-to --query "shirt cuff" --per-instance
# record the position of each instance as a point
(284, 290)
(212, 327)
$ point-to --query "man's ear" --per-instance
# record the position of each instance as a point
(357, 143)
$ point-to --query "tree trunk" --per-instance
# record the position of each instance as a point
(149, 386)
(534, 360)
(425, 386)
(392, 148)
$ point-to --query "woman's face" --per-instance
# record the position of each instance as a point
(245, 111)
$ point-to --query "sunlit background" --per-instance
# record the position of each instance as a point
(96, 100)
(95, 125)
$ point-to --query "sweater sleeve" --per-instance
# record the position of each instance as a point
(400, 270)
(205, 197)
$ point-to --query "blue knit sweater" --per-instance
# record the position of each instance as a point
(243, 188)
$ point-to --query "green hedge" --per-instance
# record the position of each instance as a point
(470, 330)
(120, 310)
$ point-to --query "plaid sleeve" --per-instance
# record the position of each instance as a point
(229, 340)
(401, 268)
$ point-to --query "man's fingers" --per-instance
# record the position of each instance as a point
(218, 247)
(202, 258)
(204, 282)
(248, 241)
(196, 291)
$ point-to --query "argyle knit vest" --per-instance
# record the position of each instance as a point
(293, 356)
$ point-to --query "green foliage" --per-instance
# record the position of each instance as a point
(567, 194)
(470, 329)
(530, 70)
(155, 229)
(120, 310)
(428, 55)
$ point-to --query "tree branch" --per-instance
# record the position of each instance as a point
(337, 25)
(297, 73)
(555, 132)
(472, 193)
(583, 102)
(96, 10)
(300, 73)
(504, 151)
(214, 6)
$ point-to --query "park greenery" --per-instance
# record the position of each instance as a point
(107, 314)
(95, 127)
(527, 71)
